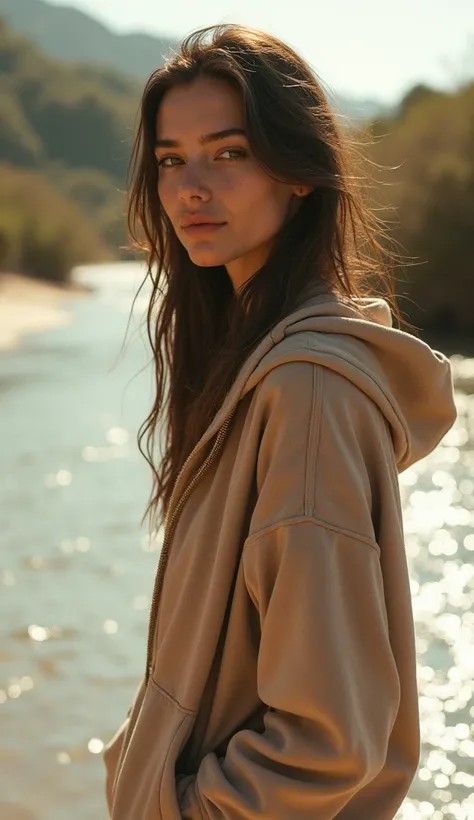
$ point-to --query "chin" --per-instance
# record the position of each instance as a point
(206, 259)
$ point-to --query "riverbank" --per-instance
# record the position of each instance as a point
(30, 305)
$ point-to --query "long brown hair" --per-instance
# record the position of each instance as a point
(199, 329)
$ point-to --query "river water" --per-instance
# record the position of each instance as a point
(76, 567)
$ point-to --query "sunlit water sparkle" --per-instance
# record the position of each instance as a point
(76, 568)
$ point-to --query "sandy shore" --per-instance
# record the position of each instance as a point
(30, 306)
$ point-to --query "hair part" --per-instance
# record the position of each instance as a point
(199, 329)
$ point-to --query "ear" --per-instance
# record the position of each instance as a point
(301, 190)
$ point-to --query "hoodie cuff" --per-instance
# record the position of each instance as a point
(187, 799)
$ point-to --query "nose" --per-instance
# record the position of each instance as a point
(192, 186)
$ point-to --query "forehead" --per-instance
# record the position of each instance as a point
(203, 106)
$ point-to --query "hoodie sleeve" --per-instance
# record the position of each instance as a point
(326, 670)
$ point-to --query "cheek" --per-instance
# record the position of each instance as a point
(263, 205)
(253, 188)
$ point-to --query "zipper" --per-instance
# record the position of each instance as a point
(170, 526)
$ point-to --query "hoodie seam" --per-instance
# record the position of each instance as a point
(313, 442)
(370, 376)
(319, 522)
(170, 698)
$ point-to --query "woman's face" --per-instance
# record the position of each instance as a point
(207, 174)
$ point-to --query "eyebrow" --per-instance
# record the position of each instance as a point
(206, 138)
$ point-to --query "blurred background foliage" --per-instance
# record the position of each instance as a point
(66, 131)
(427, 197)
(65, 139)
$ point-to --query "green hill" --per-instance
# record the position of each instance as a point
(69, 34)
(70, 126)
(54, 112)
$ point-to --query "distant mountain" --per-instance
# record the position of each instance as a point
(69, 34)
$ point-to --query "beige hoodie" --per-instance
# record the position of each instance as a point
(281, 679)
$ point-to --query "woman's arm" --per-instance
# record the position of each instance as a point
(326, 670)
(326, 673)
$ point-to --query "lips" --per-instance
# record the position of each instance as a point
(203, 228)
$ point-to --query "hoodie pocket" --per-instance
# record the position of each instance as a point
(145, 787)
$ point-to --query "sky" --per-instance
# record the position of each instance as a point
(367, 48)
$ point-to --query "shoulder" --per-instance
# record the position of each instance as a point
(295, 385)
(325, 447)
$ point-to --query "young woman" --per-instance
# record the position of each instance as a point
(280, 680)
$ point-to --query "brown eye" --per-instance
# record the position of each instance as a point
(240, 153)
(162, 163)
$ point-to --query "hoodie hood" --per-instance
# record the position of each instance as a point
(409, 381)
